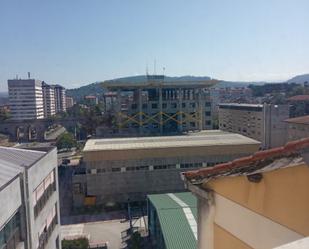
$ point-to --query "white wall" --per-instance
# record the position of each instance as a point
(10, 199)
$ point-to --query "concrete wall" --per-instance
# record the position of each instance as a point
(36, 175)
(10, 198)
(297, 131)
(107, 185)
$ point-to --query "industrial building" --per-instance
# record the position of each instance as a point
(261, 122)
(158, 106)
(172, 220)
(120, 168)
(26, 99)
(29, 199)
(258, 201)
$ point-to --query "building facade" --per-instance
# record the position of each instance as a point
(298, 128)
(29, 199)
(69, 102)
(120, 168)
(261, 122)
(26, 99)
(59, 98)
(253, 202)
(48, 100)
(158, 106)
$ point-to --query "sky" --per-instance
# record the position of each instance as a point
(76, 42)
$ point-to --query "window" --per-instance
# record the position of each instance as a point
(145, 106)
(207, 114)
(192, 124)
(101, 171)
(192, 105)
(154, 106)
(42, 193)
(173, 105)
(207, 104)
(164, 105)
(116, 169)
(183, 105)
(134, 106)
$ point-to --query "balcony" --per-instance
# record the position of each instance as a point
(44, 198)
(43, 239)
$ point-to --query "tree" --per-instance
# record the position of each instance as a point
(66, 141)
(81, 243)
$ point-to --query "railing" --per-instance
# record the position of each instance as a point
(44, 198)
(43, 239)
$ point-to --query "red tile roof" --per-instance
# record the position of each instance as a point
(298, 120)
(299, 98)
(249, 163)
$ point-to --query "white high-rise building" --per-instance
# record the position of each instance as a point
(49, 100)
(59, 98)
(26, 99)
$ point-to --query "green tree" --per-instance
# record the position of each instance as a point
(66, 141)
(81, 243)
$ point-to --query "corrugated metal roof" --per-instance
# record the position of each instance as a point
(205, 138)
(176, 230)
(13, 160)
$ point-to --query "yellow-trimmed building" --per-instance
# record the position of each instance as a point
(260, 201)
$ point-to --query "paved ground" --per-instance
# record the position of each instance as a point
(98, 232)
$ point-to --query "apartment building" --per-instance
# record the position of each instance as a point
(48, 100)
(298, 127)
(120, 168)
(259, 201)
(69, 102)
(160, 106)
(261, 122)
(59, 98)
(29, 199)
(26, 99)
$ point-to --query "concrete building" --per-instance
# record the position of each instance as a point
(158, 106)
(172, 220)
(48, 100)
(261, 122)
(120, 168)
(26, 99)
(298, 128)
(91, 100)
(59, 98)
(29, 199)
(69, 102)
(259, 201)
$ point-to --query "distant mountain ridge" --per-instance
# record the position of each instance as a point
(96, 89)
(300, 79)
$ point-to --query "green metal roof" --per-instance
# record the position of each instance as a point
(176, 229)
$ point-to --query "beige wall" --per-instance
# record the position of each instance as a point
(235, 213)
(247, 123)
(224, 240)
(170, 152)
(281, 196)
(297, 131)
